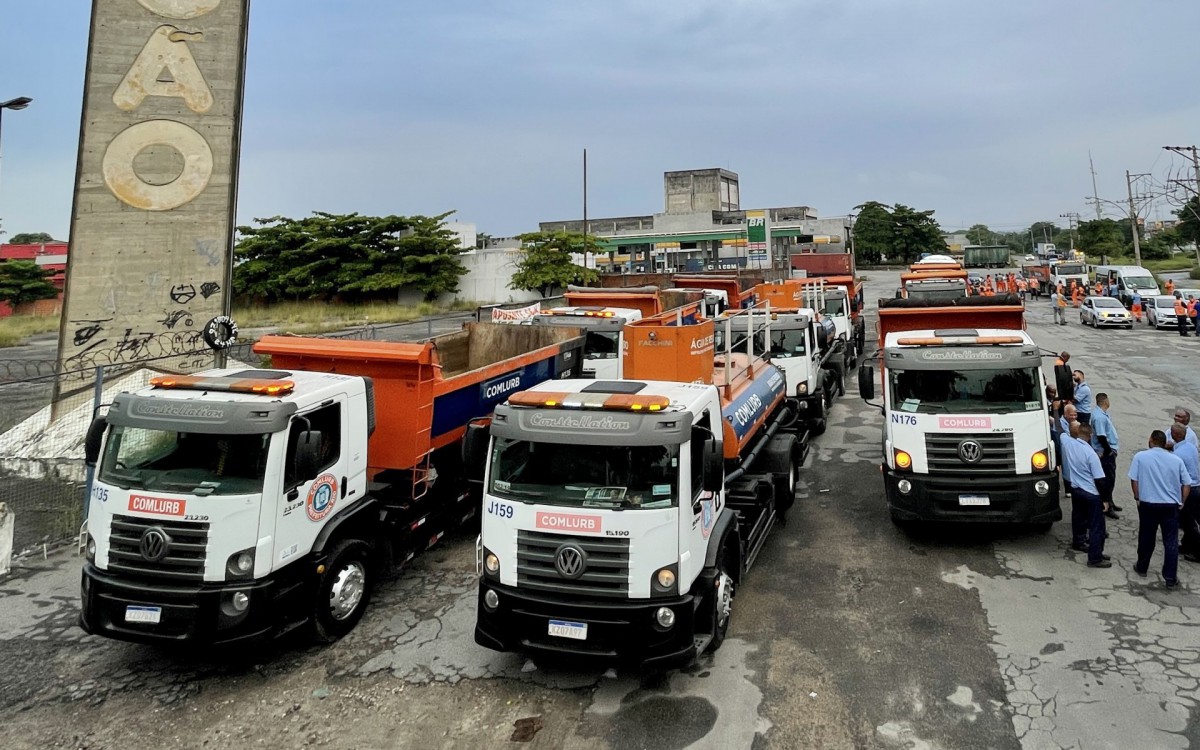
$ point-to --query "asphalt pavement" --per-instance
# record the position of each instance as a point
(848, 633)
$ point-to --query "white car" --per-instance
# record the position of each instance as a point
(1104, 311)
(1160, 311)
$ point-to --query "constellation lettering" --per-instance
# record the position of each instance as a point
(209, 288)
(86, 333)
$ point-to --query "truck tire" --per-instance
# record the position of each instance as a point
(780, 460)
(722, 602)
(343, 591)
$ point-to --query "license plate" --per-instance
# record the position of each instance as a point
(564, 629)
(143, 614)
(974, 500)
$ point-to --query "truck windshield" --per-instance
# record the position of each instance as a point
(788, 343)
(141, 459)
(1069, 269)
(940, 293)
(965, 391)
(601, 345)
(586, 476)
(834, 306)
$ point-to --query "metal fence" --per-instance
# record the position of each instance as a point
(46, 408)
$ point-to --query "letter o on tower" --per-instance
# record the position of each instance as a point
(132, 190)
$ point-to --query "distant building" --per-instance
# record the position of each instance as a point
(703, 227)
(466, 233)
(956, 242)
(51, 256)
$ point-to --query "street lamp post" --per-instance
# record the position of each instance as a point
(21, 102)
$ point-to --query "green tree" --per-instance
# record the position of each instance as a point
(546, 264)
(979, 234)
(914, 232)
(1162, 244)
(25, 281)
(30, 238)
(1103, 238)
(325, 255)
(1189, 221)
(872, 233)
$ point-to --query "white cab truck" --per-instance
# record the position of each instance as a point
(234, 505)
(966, 433)
(1065, 271)
(801, 344)
(602, 345)
(620, 516)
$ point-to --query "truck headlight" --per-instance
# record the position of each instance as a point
(240, 564)
(90, 550)
(1040, 461)
(802, 389)
(903, 460)
(491, 599)
(665, 617)
(240, 601)
(491, 563)
(1041, 487)
(904, 486)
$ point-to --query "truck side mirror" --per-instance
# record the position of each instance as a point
(866, 382)
(475, 450)
(714, 466)
(91, 443)
(822, 338)
(308, 454)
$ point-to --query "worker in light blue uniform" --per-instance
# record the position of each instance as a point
(1189, 518)
(1104, 442)
(1082, 398)
(1087, 509)
(1160, 485)
(1183, 417)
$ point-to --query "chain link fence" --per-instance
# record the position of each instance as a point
(46, 408)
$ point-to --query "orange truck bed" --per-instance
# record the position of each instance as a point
(731, 285)
(914, 318)
(644, 298)
(427, 393)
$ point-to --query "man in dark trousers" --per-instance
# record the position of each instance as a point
(1087, 509)
(1190, 517)
(1160, 486)
(1104, 441)
(1064, 380)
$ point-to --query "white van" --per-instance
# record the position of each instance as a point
(1128, 280)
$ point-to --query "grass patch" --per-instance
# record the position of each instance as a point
(1181, 262)
(322, 317)
(15, 329)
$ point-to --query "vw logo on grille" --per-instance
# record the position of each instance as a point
(970, 451)
(570, 561)
(154, 544)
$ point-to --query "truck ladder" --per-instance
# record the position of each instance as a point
(423, 468)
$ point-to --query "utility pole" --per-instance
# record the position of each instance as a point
(1072, 221)
(1196, 171)
(1095, 190)
(1133, 219)
(585, 221)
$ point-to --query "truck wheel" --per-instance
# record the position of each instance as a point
(342, 591)
(817, 427)
(722, 603)
(780, 460)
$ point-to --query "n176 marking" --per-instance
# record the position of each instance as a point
(904, 419)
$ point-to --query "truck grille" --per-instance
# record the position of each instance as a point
(998, 454)
(606, 573)
(184, 557)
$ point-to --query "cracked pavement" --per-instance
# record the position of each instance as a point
(848, 633)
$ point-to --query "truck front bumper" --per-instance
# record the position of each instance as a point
(188, 613)
(620, 631)
(1012, 499)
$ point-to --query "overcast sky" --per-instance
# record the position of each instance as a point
(982, 111)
